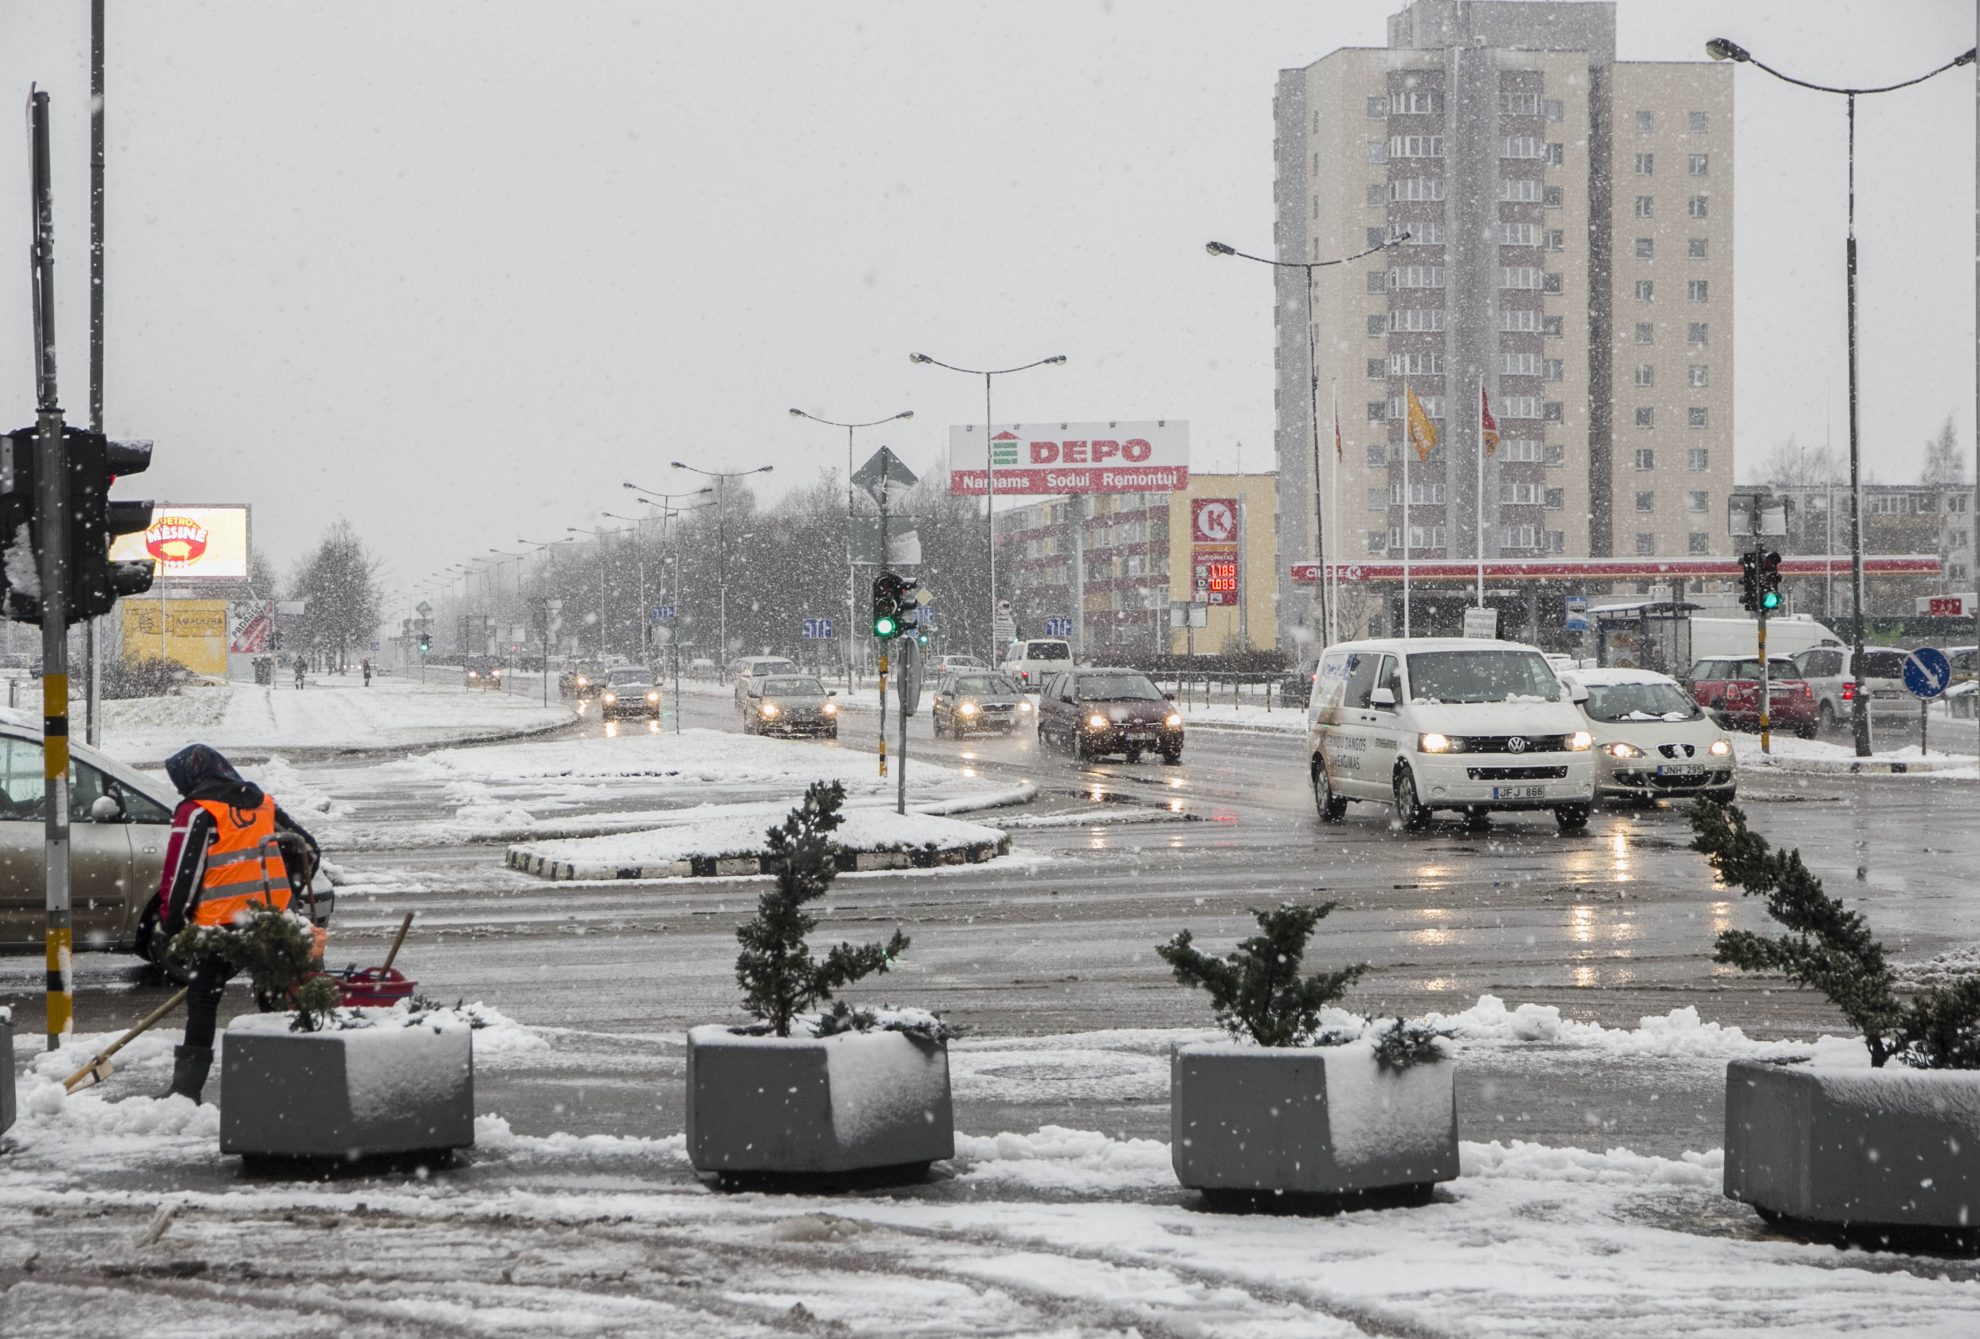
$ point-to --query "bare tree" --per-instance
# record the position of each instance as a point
(344, 598)
(1796, 466)
(1945, 462)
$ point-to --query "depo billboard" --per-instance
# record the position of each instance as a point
(1117, 457)
(191, 542)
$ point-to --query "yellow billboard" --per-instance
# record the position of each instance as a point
(190, 542)
(195, 632)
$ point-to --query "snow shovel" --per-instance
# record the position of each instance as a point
(378, 987)
(99, 1068)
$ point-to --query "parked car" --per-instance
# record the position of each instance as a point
(1029, 661)
(1729, 689)
(978, 699)
(943, 664)
(1447, 723)
(1831, 675)
(744, 668)
(787, 704)
(629, 691)
(1651, 738)
(120, 820)
(1091, 712)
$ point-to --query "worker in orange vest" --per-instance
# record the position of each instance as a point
(224, 859)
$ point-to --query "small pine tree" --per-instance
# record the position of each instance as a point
(1830, 949)
(1257, 990)
(775, 969)
(277, 952)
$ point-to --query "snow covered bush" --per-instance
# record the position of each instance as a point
(1829, 948)
(779, 977)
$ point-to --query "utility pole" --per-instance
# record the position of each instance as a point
(92, 654)
(883, 643)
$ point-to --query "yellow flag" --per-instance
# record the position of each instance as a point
(1422, 432)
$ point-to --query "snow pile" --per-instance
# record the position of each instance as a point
(496, 1035)
(1054, 1158)
(1581, 1166)
(1681, 1032)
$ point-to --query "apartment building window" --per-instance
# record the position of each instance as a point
(1698, 165)
(1416, 104)
(1417, 189)
(1695, 249)
(1377, 370)
(1556, 499)
(1420, 536)
(1698, 376)
(1520, 190)
(1519, 276)
(1519, 104)
(1522, 146)
(1557, 541)
(1646, 545)
(1378, 541)
(1519, 320)
(1646, 416)
(1553, 369)
(1553, 109)
(1416, 364)
(1646, 333)
(1646, 290)
(1519, 234)
(1697, 542)
(1698, 290)
(1420, 495)
(1697, 500)
(1552, 197)
(1646, 374)
(1646, 457)
(1956, 571)
(1520, 450)
(1377, 236)
(1699, 123)
(1417, 320)
(1378, 499)
(1378, 151)
(1377, 410)
(1698, 334)
(1698, 206)
(1556, 155)
(1552, 411)
(1646, 123)
(1646, 248)
(1551, 282)
(1698, 459)
(1378, 324)
(1697, 416)
(1378, 108)
(1417, 146)
(1518, 536)
(1552, 325)
(1556, 456)
(1378, 194)
(1423, 232)
(1520, 495)
(1375, 456)
(1519, 364)
(1520, 406)
(1646, 206)
(1433, 405)
(1316, 206)
(1416, 276)
(1646, 165)
(1377, 281)
(1556, 239)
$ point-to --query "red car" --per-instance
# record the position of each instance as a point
(1729, 688)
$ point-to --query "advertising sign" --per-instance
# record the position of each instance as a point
(1149, 456)
(253, 622)
(190, 543)
(1215, 569)
(1213, 520)
(192, 632)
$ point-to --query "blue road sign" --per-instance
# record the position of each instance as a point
(818, 629)
(1927, 672)
(1058, 627)
(663, 613)
(1575, 614)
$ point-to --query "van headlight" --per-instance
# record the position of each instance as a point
(653, 697)
(1430, 741)
(1097, 722)
(1024, 706)
(1173, 720)
(1617, 749)
(1580, 742)
(1721, 748)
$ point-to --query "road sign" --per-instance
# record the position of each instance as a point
(423, 607)
(1481, 622)
(884, 478)
(1927, 672)
(663, 613)
(818, 629)
(1575, 618)
(1058, 627)
(1188, 614)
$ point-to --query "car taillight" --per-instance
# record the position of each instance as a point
(1806, 691)
(1849, 692)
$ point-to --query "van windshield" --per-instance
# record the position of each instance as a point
(1481, 676)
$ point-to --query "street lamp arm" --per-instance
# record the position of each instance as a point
(1720, 48)
(1055, 359)
(834, 423)
(1220, 249)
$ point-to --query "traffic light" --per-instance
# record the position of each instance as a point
(909, 617)
(1770, 581)
(95, 521)
(16, 525)
(1749, 582)
(887, 590)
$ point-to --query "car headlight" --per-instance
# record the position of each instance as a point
(583, 682)
(1024, 706)
(610, 698)
(653, 697)
(1097, 722)
(967, 708)
(473, 675)
(1580, 742)
(1173, 720)
(1618, 749)
(1721, 748)
(1430, 741)
(768, 709)
(831, 709)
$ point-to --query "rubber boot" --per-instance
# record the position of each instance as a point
(190, 1065)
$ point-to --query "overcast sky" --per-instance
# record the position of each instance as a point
(455, 270)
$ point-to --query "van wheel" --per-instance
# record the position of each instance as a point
(1330, 806)
(1572, 817)
(1411, 814)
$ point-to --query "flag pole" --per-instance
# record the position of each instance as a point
(1334, 524)
(1479, 537)
(1408, 448)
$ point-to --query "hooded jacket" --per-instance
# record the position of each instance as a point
(201, 773)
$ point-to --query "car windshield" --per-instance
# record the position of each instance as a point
(793, 688)
(763, 667)
(1048, 651)
(630, 678)
(1481, 676)
(1117, 688)
(1627, 702)
(985, 685)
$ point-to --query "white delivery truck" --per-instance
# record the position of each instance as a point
(1787, 634)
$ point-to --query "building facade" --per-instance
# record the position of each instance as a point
(1911, 520)
(1567, 248)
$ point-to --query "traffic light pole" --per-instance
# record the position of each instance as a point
(883, 641)
(1766, 676)
(52, 504)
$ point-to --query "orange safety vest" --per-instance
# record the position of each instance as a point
(243, 865)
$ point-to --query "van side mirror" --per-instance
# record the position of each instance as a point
(1577, 693)
(1382, 697)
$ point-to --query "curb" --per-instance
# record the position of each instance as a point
(1854, 767)
(1022, 793)
(743, 866)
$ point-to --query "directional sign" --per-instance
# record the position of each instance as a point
(884, 478)
(663, 613)
(1575, 614)
(1927, 672)
(1058, 627)
(818, 629)
(424, 608)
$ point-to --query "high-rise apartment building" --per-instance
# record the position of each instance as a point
(1569, 222)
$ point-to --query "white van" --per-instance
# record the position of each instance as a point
(1447, 723)
(1787, 634)
(1030, 659)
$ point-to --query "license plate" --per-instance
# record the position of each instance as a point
(1681, 769)
(1141, 739)
(1519, 792)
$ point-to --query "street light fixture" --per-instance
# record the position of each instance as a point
(852, 579)
(990, 475)
(1325, 631)
(721, 478)
(1722, 48)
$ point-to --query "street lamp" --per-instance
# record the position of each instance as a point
(1324, 630)
(639, 565)
(598, 535)
(990, 479)
(1721, 48)
(721, 478)
(670, 513)
(852, 579)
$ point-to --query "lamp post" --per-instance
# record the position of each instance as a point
(990, 481)
(599, 536)
(721, 478)
(852, 578)
(1324, 631)
(639, 566)
(1720, 48)
(668, 513)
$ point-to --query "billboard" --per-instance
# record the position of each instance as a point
(192, 632)
(1148, 456)
(191, 542)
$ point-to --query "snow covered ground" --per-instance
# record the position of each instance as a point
(333, 712)
(1054, 1230)
(1790, 754)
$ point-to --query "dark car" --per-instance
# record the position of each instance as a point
(628, 691)
(787, 704)
(482, 672)
(1091, 712)
(978, 699)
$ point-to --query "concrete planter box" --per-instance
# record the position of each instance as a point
(362, 1092)
(7, 1101)
(1324, 1121)
(1867, 1150)
(868, 1102)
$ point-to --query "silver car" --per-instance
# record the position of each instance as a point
(788, 704)
(981, 700)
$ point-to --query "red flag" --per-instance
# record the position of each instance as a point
(1339, 451)
(1488, 427)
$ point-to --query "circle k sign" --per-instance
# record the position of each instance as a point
(1213, 520)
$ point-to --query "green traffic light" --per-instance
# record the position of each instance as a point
(884, 626)
(1771, 600)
